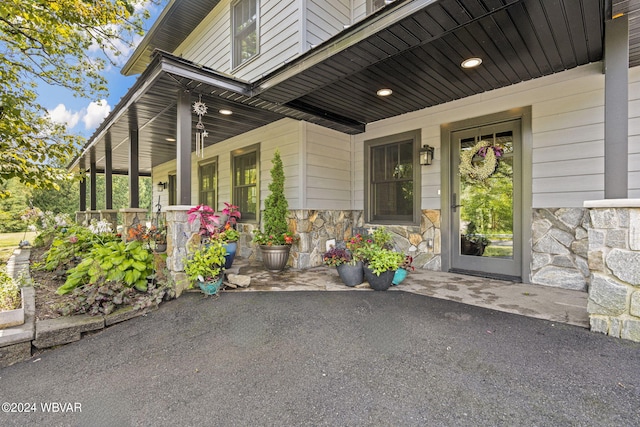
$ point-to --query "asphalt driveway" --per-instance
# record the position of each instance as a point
(328, 358)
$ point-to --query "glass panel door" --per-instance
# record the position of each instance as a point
(485, 204)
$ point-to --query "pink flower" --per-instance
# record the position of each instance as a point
(73, 239)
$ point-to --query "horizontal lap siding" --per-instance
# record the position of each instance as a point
(634, 133)
(210, 43)
(568, 136)
(326, 19)
(328, 169)
(279, 38)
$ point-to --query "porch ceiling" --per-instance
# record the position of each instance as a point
(414, 47)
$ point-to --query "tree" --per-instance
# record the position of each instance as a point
(276, 206)
(51, 42)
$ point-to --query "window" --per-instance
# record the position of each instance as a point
(173, 190)
(245, 182)
(245, 31)
(208, 184)
(393, 175)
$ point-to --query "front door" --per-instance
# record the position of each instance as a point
(485, 209)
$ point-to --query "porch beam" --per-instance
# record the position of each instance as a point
(183, 148)
(616, 108)
(134, 163)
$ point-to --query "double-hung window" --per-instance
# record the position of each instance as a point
(245, 182)
(374, 5)
(393, 179)
(245, 30)
(208, 184)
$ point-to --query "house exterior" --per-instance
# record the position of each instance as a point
(545, 128)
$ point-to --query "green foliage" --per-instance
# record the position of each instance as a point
(65, 200)
(104, 298)
(206, 263)
(276, 207)
(130, 263)
(12, 208)
(72, 244)
(51, 43)
(384, 260)
(10, 298)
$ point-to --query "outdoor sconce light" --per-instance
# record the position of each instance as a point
(426, 155)
(162, 186)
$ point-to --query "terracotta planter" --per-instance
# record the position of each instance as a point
(275, 257)
(351, 275)
(381, 282)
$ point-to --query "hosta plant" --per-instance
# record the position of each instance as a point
(130, 263)
(10, 298)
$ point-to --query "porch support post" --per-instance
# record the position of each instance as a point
(92, 172)
(108, 174)
(183, 148)
(134, 168)
(81, 215)
(616, 108)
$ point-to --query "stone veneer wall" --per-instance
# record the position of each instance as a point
(614, 261)
(559, 248)
(316, 227)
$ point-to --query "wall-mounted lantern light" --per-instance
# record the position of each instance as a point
(426, 155)
(162, 186)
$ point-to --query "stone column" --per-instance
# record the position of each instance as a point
(614, 264)
(129, 215)
(111, 216)
(93, 215)
(179, 233)
(81, 217)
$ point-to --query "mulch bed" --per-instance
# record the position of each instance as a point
(46, 283)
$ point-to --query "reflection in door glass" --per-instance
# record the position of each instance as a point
(486, 212)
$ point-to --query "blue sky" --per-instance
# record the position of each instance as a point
(84, 115)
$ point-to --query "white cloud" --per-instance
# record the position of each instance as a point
(60, 114)
(95, 113)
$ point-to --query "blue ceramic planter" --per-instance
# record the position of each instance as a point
(231, 249)
(399, 276)
(211, 288)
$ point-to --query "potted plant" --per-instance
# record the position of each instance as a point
(380, 260)
(228, 233)
(205, 266)
(208, 221)
(403, 270)
(472, 243)
(276, 239)
(349, 268)
(158, 234)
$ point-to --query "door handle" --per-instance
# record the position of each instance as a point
(454, 204)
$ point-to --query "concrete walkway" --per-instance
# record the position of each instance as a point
(541, 302)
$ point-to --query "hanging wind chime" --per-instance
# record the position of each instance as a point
(200, 109)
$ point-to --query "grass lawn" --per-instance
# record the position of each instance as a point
(9, 242)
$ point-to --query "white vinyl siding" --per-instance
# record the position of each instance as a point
(278, 35)
(634, 133)
(327, 168)
(568, 135)
(326, 19)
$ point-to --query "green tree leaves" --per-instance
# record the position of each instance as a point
(52, 43)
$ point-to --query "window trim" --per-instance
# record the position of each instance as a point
(238, 153)
(204, 163)
(172, 188)
(235, 62)
(416, 137)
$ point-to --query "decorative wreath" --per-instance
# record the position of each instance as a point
(486, 168)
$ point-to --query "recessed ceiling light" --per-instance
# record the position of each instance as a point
(471, 62)
(384, 92)
(171, 139)
(226, 112)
